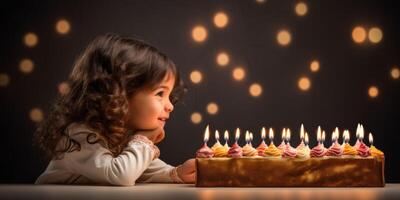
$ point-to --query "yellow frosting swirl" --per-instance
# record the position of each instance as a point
(273, 151)
(349, 150)
(221, 151)
(249, 151)
(376, 152)
(303, 152)
(216, 145)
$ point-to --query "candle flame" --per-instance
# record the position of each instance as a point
(306, 138)
(263, 133)
(247, 136)
(271, 134)
(302, 132)
(283, 133)
(323, 136)
(319, 134)
(371, 139)
(207, 133)
(226, 135)
(237, 134)
(216, 135)
(288, 134)
(358, 131)
(251, 136)
(346, 136)
(361, 132)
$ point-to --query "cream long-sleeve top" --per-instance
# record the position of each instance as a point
(94, 164)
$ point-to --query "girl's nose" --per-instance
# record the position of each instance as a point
(169, 107)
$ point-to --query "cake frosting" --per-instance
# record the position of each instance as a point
(221, 151)
(282, 146)
(318, 151)
(289, 151)
(261, 148)
(303, 151)
(204, 152)
(363, 150)
(249, 150)
(235, 151)
(376, 152)
(335, 150)
(272, 151)
(349, 150)
(216, 145)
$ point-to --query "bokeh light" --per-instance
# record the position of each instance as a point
(64, 88)
(4, 80)
(36, 114)
(199, 33)
(31, 39)
(255, 90)
(375, 35)
(196, 76)
(301, 9)
(359, 34)
(212, 108)
(222, 59)
(373, 91)
(196, 118)
(26, 65)
(221, 20)
(304, 83)
(238, 73)
(283, 37)
(63, 26)
(395, 72)
(314, 66)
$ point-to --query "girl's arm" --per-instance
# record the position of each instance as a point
(98, 164)
(160, 172)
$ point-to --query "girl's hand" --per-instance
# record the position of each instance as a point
(187, 171)
(155, 135)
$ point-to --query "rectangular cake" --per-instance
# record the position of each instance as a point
(289, 172)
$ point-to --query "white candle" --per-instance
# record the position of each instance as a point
(226, 137)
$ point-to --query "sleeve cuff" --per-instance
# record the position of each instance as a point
(174, 175)
(144, 139)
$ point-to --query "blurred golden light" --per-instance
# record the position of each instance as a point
(314, 66)
(260, 1)
(359, 34)
(30, 39)
(63, 27)
(255, 89)
(196, 76)
(212, 108)
(36, 115)
(373, 91)
(63, 88)
(284, 37)
(238, 73)
(395, 73)
(4, 80)
(301, 9)
(222, 59)
(196, 117)
(26, 65)
(375, 35)
(221, 19)
(199, 33)
(304, 83)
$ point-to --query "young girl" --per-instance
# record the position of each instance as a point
(103, 131)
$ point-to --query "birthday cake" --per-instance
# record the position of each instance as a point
(340, 165)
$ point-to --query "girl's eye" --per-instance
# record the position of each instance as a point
(161, 93)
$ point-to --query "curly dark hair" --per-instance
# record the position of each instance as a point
(104, 77)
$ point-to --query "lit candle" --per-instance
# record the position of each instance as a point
(306, 139)
(346, 136)
(263, 134)
(358, 131)
(361, 134)
(288, 135)
(302, 133)
(271, 135)
(319, 135)
(247, 137)
(323, 137)
(283, 135)
(206, 135)
(251, 138)
(335, 135)
(371, 139)
(216, 137)
(237, 135)
(226, 137)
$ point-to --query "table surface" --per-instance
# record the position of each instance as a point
(189, 191)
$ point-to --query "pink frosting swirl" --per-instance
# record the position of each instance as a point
(261, 148)
(363, 150)
(301, 145)
(335, 150)
(318, 151)
(289, 151)
(282, 146)
(235, 151)
(204, 152)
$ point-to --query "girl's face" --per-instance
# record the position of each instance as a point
(150, 108)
